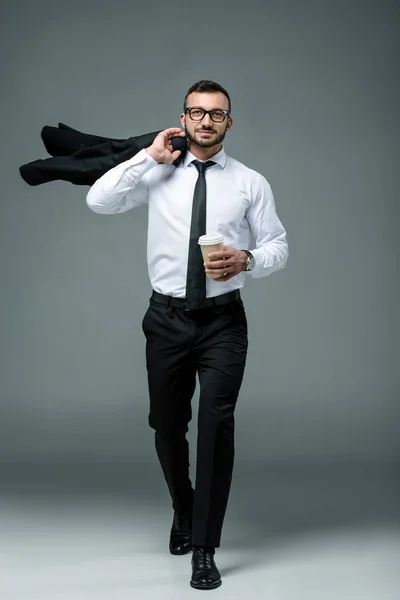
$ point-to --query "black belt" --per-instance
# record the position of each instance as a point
(207, 303)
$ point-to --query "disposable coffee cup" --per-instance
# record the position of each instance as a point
(211, 242)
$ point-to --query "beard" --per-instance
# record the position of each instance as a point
(205, 142)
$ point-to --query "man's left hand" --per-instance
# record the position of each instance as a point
(227, 262)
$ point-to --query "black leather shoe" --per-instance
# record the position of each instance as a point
(205, 575)
(180, 541)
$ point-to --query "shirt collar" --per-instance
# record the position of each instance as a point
(219, 158)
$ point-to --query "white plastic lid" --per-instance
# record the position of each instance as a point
(211, 238)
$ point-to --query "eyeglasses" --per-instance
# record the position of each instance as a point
(217, 115)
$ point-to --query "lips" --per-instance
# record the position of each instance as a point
(206, 132)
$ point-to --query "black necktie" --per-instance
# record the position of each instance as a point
(196, 276)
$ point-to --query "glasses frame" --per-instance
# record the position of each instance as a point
(207, 112)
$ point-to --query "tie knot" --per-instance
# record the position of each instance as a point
(202, 166)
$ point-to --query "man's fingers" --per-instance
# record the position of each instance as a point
(175, 154)
(172, 132)
(221, 254)
(218, 264)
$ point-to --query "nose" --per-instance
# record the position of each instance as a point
(206, 120)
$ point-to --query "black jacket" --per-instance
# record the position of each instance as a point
(81, 158)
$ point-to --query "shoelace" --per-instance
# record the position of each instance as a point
(180, 520)
(205, 557)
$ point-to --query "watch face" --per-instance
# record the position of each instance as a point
(250, 260)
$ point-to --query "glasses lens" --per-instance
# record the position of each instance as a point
(217, 115)
(196, 114)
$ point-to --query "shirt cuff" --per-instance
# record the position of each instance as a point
(259, 262)
(142, 157)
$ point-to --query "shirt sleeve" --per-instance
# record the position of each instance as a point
(123, 187)
(271, 252)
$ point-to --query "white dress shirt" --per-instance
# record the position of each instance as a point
(239, 201)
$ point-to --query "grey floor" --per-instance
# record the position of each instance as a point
(83, 532)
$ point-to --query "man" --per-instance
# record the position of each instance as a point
(196, 324)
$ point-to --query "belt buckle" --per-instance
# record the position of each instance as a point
(185, 306)
(189, 308)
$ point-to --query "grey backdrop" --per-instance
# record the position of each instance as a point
(315, 93)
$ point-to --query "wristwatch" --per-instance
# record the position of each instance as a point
(251, 261)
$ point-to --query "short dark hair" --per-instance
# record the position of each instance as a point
(207, 86)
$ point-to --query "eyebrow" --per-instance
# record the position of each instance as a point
(202, 108)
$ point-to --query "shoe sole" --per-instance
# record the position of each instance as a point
(206, 587)
(175, 553)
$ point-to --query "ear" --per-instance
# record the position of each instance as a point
(229, 123)
(182, 119)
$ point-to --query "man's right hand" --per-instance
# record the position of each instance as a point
(161, 149)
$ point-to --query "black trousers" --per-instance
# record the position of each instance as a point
(212, 343)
